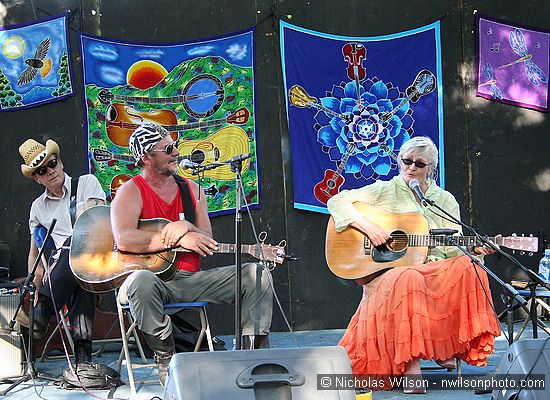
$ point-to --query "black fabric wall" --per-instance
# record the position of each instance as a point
(497, 156)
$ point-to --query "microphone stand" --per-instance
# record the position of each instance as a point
(235, 165)
(28, 287)
(510, 291)
(236, 168)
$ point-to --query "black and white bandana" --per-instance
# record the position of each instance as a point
(144, 138)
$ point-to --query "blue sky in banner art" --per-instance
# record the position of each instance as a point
(34, 63)
(340, 140)
(202, 92)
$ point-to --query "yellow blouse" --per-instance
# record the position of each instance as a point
(395, 196)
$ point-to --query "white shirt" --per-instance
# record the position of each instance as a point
(47, 207)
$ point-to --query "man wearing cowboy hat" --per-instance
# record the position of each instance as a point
(44, 166)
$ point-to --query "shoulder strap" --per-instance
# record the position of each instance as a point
(72, 207)
(186, 199)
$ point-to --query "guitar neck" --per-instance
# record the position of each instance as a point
(385, 117)
(326, 110)
(149, 100)
(441, 240)
(344, 159)
(227, 248)
(122, 157)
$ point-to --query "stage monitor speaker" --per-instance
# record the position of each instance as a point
(523, 357)
(11, 354)
(266, 374)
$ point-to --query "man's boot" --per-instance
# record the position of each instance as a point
(163, 350)
(42, 313)
(251, 342)
(82, 351)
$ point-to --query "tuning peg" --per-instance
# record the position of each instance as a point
(282, 244)
(262, 236)
(522, 253)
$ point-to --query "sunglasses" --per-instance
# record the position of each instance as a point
(44, 169)
(168, 149)
(418, 164)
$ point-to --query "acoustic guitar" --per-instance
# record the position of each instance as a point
(99, 266)
(122, 120)
(220, 146)
(351, 255)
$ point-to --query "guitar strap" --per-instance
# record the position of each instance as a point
(72, 206)
(186, 199)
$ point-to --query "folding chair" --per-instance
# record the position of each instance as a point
(131, 333)
(536, 297)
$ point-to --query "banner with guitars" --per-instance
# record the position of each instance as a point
(353, 101)
(201, 92)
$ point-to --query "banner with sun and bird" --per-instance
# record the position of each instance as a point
(353, 101)
(34, 63)
(202, 92)
(512, 64)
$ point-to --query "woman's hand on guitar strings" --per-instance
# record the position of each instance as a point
(374, 232)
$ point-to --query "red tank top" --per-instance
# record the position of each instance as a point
(155, 207)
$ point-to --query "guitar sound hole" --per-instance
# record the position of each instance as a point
(111, 114)
(398, 241)
(198, 157)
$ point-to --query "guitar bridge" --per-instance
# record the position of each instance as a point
(366, 246)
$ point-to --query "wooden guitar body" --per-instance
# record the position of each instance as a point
(220, 146)
(350, 255)
(122, 120)
(98, 266)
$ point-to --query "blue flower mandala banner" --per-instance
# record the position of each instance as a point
(353, 101)
(202, 92)
(34, 64)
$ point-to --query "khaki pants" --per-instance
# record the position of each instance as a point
(146, 294)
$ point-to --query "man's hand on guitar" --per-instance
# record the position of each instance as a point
(173, 232)
(375, 233)
(199, 243)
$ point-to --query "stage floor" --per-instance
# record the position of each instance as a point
(44, 389)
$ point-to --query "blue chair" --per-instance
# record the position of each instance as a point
(537, 298)
(130, 334)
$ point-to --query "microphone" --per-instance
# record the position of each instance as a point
(188, 164)
(415, 187)
(443, 231)
(240, 157)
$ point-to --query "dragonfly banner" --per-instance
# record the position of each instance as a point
(342, 140)
(34, 64)
(512, 64)
(202, 92)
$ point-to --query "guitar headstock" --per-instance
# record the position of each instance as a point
(238, 117)
(299, 97)
(423, 84)
(268, 253)
(529, 244)
(101, 155)
(105, 96)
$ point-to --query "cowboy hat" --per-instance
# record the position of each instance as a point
(36, 154)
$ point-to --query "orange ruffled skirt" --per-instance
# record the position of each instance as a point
(433, 311)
